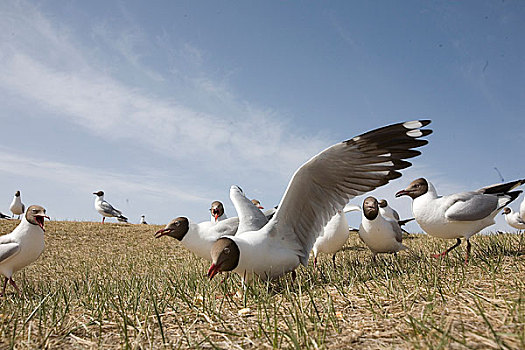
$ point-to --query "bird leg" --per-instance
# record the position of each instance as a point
(448, 250)
(468, 251)
(12, 282)
(103, 218)
(294, 276)
(315, 262)
(333, 260)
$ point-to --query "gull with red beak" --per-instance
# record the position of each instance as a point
(199, 238)
(217, 212)
(106, 210)
(22, 246)
(317, 191)
(459, 215)
(17, 207)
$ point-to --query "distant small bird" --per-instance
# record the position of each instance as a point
(459, 215)
(17, 207)
(106, 210)
(386, 211)
(22, 246)
(257, 204)
(3, 216)
(513, 218)
(143, 220)
(334, 235)
(217, 212)
(380, 234)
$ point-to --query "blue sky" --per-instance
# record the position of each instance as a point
(165, 104)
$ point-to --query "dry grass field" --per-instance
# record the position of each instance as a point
(115, 286)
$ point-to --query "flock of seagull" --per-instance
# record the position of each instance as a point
(310, 216)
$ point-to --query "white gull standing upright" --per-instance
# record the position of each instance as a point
(17, 207)
(22, 246)
(381, 234)
(106, 210)
(317, 191)
(334, 235)
(513, 218)
(459, 215)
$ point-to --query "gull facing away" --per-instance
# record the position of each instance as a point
(386, 211)
(17, 207)
(317, 191)
(217, 212)
(334, 235)
(106, 210)
(381, 234)
(143, 220)
(199, 238)
(459, 215)
(513, 218)
(22, 246)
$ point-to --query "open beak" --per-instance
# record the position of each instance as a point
(402, 193)
(40, 220)
(214, 269)
(162, 232)
(260, 207)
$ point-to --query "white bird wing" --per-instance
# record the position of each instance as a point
(8, 249)
(251, 218)
(322, 186)
(470, 206)
(351, 207)
(522, 209)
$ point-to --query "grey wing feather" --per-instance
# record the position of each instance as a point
(397, 230)
(8, 250)
(324, 184)
(108, 209)
(471, 206)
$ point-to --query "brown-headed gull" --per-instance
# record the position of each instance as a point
(387, 211)
(334, 235)
(106, 210)
(459, 215)
(22, 246)
(513, 218)
(217, 212)
(317, 191)
(17, 207)
(199, 238)
(381, 234)
(143, 220)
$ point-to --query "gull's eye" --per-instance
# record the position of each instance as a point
(226, 251)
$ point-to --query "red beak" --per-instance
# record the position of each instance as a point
(161, 232)
(401, 193)
(216, 216)
(214, 269)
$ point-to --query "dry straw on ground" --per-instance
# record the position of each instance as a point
(115, 286)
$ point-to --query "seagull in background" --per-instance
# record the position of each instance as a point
(106, 210)
(381, 234)
(317, 191)
(22, 246)
(143, 220)
(334, 235)
(513, 218)
(257, 204)
(459, 215)
(17, 207)
(217, 212)
(386, 211)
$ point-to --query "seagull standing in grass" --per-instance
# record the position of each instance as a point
(387, 211)
(459, 215)
(317, 191)
(143, 220)
(334, 235)
(106, 210)
(217, 212)
(22, 246)
(513, 218)
(199, 238)
(17, 207)
(380, 234)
